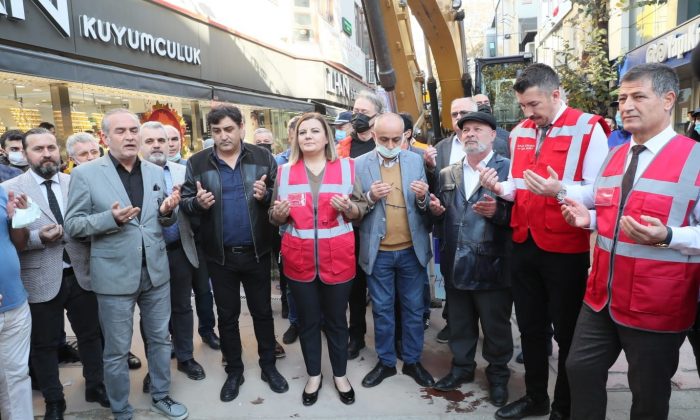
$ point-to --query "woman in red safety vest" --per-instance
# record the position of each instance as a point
(315, 198)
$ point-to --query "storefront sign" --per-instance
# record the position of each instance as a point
(676, 44)
(99, 30)
(338, 84)
(56, 14)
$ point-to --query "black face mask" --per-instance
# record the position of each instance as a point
(266, 146)
(360, 122)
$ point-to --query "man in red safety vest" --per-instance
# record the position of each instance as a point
(557, 152)
(642, 292)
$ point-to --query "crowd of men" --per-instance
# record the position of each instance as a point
(513, 214)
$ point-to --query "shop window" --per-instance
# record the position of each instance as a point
(301, 3)
(302, 19)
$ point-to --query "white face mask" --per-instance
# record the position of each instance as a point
(17, 158)
(388, 153)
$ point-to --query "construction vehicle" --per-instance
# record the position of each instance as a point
(398, 70)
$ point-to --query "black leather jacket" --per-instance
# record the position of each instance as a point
(208, 224)
(474, 250)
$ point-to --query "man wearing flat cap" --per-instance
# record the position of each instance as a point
(475, 257)
(343, 126)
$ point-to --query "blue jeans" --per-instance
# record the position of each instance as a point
(292, 308)
(397, 272)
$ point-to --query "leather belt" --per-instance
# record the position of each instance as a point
(240, 249)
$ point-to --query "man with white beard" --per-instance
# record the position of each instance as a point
(182, 254)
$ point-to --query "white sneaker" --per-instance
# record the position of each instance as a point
(169, 408)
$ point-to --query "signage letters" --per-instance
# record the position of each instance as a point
(58, 15)
(674, 45)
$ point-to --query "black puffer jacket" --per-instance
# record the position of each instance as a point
(208, 224)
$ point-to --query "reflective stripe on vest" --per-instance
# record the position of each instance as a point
(626, 249)
(345, 187)
(682, 191)
(577, 133)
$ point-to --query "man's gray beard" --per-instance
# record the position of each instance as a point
(159, 159)
(46, 171)
(478, 149)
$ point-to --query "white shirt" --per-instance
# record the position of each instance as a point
(56, 188)
(471, 176)
(592, 162)
(684, 239)
(457, 152)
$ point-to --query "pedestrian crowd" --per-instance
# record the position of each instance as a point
(351, 211)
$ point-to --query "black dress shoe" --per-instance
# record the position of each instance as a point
(192, 369)
(275, 379)
(55, 410)
(146, 384)
(377, 375)
(231, 387)
(279, 351)
(498, 394)
(524, 407)
(133, 361)
(291, 334)
(212, 341)
(97, 394)
(68, 354)
(346, 398)
(557, 415)
(453, 380)
(418, 373)
(354, 348)
(310, 398)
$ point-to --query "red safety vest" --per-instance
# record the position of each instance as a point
(564, 149)
(318, 240)
(646, 287)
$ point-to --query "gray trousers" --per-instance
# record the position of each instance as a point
(117, 320)
(491, 308)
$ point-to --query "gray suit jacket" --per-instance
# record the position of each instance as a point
(42, 265)
(116, 251)
(177, 171)
(373, 227)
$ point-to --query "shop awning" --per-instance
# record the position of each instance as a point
(225, 94)
(62, 68)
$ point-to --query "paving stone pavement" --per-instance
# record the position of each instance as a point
(396, 398)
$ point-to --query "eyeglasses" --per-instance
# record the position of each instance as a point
(459, 114)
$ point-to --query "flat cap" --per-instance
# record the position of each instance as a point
(481, 117)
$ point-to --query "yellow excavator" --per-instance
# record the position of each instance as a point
(441, 21)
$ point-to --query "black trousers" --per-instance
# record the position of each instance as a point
(182, 279)
(203, 298)
(491, 308)
(547, 286)
(358, 298)
(652, 358)
(315, 301)
(47, 330)
(254, 275)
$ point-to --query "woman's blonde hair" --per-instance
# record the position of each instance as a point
(296, 152)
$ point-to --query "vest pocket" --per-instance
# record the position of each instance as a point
(342, 251)
(658, 288)
(293, 258)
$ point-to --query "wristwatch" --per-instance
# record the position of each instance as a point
(667, 241)
(561, 195)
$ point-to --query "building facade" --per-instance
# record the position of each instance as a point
(69, 61)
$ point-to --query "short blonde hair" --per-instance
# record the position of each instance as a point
(296, 153)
